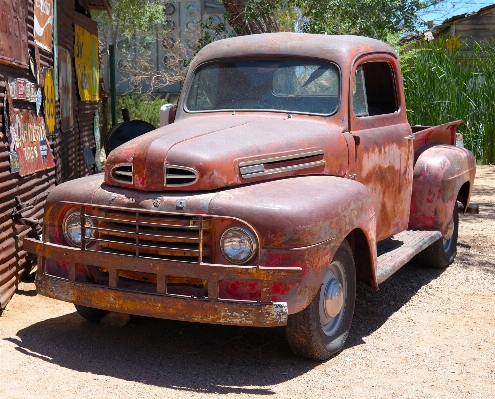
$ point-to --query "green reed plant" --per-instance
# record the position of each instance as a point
(444, 84)
(145, 107)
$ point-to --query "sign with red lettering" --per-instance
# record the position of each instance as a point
(30, 160)
(28, 140)
(21, 89)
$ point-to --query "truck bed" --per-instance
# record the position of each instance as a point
(427, 135)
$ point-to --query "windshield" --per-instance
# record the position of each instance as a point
(287, 86)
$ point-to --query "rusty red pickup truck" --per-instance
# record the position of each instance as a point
(289, 174)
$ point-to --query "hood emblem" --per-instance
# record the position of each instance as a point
(281, 164)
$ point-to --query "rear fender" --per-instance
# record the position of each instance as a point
(440, 172)
(301, 222)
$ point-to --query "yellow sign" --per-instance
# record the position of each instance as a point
(49, 91)
(95, 70)
(87, 64)
(453, 43)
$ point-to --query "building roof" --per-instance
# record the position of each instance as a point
(99, 5)
(430, 34)
(481, 11)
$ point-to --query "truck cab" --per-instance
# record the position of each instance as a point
(289, 174)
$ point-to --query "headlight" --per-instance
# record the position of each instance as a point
(72, 228)
(238, 245)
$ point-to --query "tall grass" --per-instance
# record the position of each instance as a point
(443, 85)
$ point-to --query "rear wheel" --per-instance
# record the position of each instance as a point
(442, 253)
(91, 314)
(320, 331)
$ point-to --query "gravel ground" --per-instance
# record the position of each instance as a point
(426, 333)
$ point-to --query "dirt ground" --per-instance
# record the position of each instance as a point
(425, 334)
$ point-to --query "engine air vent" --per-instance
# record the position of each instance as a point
(180, 176)
(281, 164)
(122, 173)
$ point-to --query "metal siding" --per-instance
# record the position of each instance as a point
(67, 148)
(33, 188)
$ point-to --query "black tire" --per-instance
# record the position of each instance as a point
(307, 335)
(442, 253)
(91, 314)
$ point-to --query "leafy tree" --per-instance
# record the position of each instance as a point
(373, 18)
(247, 17)
(132, 27)
(129, 17)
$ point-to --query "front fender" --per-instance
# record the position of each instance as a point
(301, 222)
(439, 173)
(298, 212)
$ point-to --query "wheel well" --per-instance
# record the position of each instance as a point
(463, 195)
(362, 256)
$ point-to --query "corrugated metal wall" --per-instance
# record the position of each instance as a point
(32, 188)
(67, 148)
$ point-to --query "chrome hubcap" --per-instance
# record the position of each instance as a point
(332, 298)
(450, 231)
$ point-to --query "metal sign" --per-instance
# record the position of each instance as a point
(13, 33)
(29, 151)
(96, 128)
(43, 23)
(95, 70)
(49, 91)
(87, 64)
(22, 89)
(65, 86)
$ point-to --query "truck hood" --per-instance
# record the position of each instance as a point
(215, 151)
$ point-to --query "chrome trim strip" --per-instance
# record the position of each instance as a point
(122, 173)
(282, 158)
(285, 169)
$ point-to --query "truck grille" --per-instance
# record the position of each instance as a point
(180, 176)
(154, 235)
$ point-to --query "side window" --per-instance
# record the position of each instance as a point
(360, 103)
(374, 90)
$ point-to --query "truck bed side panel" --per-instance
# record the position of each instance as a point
(429, 135)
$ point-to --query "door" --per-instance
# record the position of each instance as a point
(382, 153)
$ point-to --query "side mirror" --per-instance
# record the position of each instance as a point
(167, 114)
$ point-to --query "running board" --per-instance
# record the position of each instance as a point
(396, 251)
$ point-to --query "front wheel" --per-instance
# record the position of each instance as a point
(442, 253)
(320, 331)
(90, 314)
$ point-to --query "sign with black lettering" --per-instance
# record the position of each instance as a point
(87, 64)
(49, 91)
